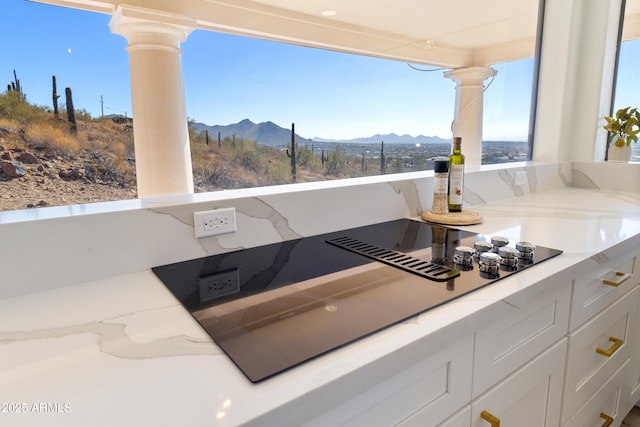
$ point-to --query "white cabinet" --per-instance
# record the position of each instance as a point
(530, 397)
(597, 350)
(562, 352)
(607, 404)
(527, 323)
(461, 419)
(633, 382)
(599, 288)
(518, 364)
(437, 387)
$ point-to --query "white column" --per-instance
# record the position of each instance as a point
(467, 119)
(163, 158)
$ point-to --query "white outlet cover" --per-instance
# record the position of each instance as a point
(220, 221)
(521, 178)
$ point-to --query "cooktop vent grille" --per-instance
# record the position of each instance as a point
(422, 268)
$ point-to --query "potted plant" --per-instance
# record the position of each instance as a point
(624, 129)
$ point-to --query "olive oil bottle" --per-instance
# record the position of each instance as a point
(456, 176)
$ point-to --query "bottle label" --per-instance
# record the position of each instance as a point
(440, 184)
(456, 178)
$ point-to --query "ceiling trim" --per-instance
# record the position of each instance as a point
(631, 27)
(259, 20)
(271, 23)
(89, 5)
(505, 52)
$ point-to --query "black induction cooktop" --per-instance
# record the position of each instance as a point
(273, 307)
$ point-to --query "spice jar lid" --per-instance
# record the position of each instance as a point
(441, 165)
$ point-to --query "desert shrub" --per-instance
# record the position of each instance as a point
(9, 126)
(13, 106)
(278, 173)
(252, 161)
(113, 165)
(83, 115)
(307, 159)
(45, 134)
(106, 137)
(337, 163)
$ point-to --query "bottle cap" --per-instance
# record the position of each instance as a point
(441, 165)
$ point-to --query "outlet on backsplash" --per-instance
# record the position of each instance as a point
(217, 221)
(521, 179)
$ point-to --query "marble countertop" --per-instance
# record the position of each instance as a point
(122, 351)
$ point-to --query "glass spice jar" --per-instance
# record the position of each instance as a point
(440, 185)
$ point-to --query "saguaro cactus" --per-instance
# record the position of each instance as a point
(292, 154)
(71, 114)
(15, 86)
(383, 160)
(55, 97)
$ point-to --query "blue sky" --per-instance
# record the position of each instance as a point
(229, 78)
(628, 76)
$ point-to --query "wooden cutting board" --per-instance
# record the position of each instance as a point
(453, 218)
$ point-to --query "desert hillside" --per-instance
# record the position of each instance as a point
(44, 161)
(43, 164)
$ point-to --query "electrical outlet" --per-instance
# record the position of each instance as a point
(521, 178)
(219, 284)
(217, 221)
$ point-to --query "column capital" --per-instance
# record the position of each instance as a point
(149, 29)
(470, 75)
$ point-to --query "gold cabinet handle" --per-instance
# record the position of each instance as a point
(621, 277)
(617, 343)
(607, 419)
(492, 419)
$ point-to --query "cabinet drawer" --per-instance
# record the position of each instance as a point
(530, 397)
(527, 323)
(587, 368)
(437, 386)
(461, 419)
(595, 291)
(634, 375)
(605, 403)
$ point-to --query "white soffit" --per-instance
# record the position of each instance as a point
(631, 27)
(444, 33)
(451, 34)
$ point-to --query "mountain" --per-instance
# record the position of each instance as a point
(267, 133)
(390, 138)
